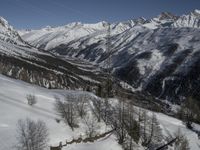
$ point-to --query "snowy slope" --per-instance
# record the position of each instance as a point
(13, 106)
(172, 125)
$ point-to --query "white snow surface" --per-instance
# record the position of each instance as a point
(13, 106)
(172, 125)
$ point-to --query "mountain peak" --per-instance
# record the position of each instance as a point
(168, 16)
(73, 24)
(8, 33)
(4, 23)
(196, 12)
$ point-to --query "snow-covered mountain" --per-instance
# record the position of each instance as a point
(7, 33)
(190, 20)
(22, 61)
(13, 107)
(51, 37)
(160, 55)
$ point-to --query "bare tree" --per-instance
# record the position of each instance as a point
(120, 124)
(155, 136)
(132, 125)
(99, 108)
(143, 127)
(32, 135)
(67, 111)
(181, 142)
(92, 126)
(81, 105)
(60, 107)
(150, 131)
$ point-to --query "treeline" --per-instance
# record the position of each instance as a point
(132, 126)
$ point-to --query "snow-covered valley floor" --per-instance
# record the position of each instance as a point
(13, 106)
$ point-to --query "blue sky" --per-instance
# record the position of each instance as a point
(27, 14)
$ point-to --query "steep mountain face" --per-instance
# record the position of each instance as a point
(7, 33)
(190, 20)
(21, 61)
(159, 56)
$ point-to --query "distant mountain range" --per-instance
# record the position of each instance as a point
(51, 37)
(160, 56)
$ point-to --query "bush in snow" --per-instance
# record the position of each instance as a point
(31, 99)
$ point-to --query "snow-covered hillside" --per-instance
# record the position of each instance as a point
(13, 106)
